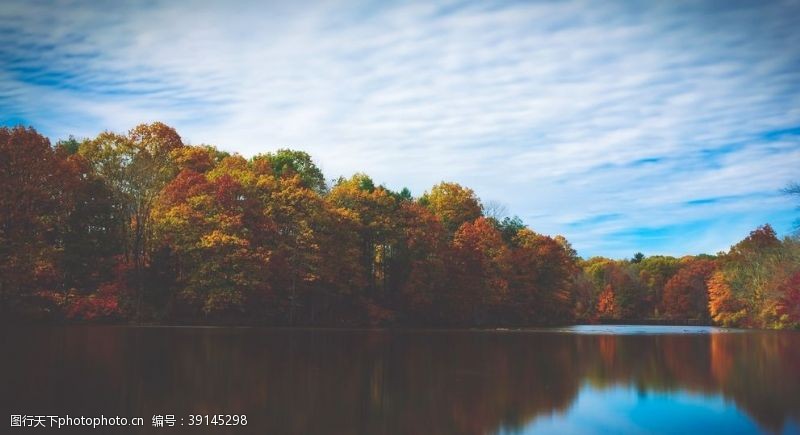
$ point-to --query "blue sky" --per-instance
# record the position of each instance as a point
(662, 127)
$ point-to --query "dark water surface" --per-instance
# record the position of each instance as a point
(583, 380)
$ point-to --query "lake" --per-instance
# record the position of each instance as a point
(581, 380)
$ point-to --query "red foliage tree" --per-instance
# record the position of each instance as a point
(789, 301)
(606, 306)
(686, 293)
(33, 209)
(480, 261)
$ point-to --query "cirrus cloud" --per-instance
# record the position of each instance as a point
(665, 127)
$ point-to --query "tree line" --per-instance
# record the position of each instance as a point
(142, 227)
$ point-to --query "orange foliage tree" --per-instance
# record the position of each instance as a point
(139, 225)
(480, 278)
(541, 275)
(724, 308)
(453, 204)
(606, 308)
(686, 293)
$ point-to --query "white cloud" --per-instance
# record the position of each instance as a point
(546, 106)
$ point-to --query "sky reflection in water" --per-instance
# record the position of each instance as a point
(598, 379)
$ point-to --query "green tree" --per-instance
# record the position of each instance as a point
(286, 162)
(508, 227)
(654, 272)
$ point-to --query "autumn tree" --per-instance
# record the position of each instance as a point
(92, 232)
(480, 275)
(215, 224)
(375, 210)
(751, 289)
(317, 251)
(781, 307)
(32, 211)
(686, 293)
(541, 278)
(423, 264)
(746, 272)
(654, 272)
(584, 297)
(287, 163)
(453, 204)
(198, 158)
(139, 225)
(615, 281)
(724, 308)
(571, 253)
(788, 303)
(606, 304)
(257, 245)
(136, 166)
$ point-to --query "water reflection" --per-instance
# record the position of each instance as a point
(460, 382)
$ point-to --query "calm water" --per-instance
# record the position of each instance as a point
(583, 380)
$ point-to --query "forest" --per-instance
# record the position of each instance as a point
(140, 227)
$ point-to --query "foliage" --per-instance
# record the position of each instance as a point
(723, 307)
(287, 163)
(686, 293)
(136, 167)
(620, 294)
(101, 305)
(480, 261)
(453, 204)
(141, 226)
(755, 286)
(654, 272)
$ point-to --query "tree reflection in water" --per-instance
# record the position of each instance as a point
(317, 381)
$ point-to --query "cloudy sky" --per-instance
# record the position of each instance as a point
(662, 127)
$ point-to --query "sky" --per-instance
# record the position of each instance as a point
(665, 127)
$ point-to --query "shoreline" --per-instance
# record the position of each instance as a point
(564, 328)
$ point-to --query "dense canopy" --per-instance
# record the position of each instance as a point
(140, 226)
